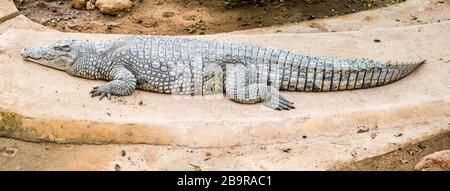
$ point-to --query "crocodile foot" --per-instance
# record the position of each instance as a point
(102, 91)
(278, 102)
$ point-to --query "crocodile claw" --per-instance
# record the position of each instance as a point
(100, 91)
(279, 103)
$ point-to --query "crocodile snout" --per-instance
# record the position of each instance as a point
(24, 52)
(29, 52)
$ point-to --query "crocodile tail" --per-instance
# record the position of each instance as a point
(318, 75)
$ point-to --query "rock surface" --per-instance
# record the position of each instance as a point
(161, 121)
(113, 7)
(7, 10)
(22, 22)
(438, 161)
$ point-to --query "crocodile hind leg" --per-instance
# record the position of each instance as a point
(123, 84)
(241, 87)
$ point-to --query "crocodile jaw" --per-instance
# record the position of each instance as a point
(47, 57)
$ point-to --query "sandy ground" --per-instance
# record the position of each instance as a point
(404, 158)
(177, 17)
(410, 13)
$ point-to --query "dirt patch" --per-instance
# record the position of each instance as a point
(404, 158)
(180, 17)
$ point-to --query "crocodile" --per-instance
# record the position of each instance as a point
(189, 66)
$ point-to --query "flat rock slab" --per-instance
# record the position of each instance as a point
(42, 104)
(22, 22)
(411, 12)
(7, 10)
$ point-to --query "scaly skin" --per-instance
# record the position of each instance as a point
(187, 66)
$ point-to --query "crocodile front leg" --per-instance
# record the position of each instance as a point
(123, 84)
(240, 87)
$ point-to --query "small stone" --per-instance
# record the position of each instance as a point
(438, 161)
(117, 167)
(421, 146)
(287, 150)
(79, 4)
(404, 161)
(90, 5)
(124, 153)
(304, 136)
(168, 14)
(310, 17)
(362, 129)
(377, 40)
(141, 102)
(398, 135)
(113, 7)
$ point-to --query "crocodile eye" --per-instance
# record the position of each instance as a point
(63, 47)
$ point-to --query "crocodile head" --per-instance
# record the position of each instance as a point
(60, 55)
